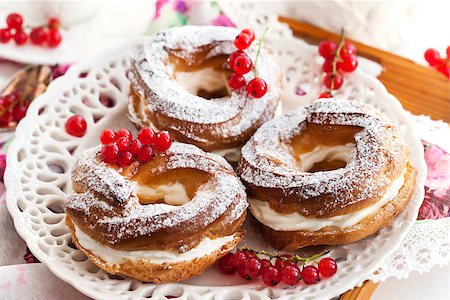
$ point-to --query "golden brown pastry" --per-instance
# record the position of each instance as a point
(331, 173)
(179, 84)
(164, 220)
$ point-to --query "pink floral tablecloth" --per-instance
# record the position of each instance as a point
(21, 277)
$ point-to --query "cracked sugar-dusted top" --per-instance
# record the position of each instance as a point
(380, 155)
(108, 206)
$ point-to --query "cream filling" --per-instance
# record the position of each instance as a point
(294, 221)
(113, 256)
(173, 193)
(207, 79)
(230, 154)
(321, 153)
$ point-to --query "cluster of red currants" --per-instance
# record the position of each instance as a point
(285, 269)
(434, 59)
(339, 59)
(15, 30)
(13, 108)
(120, 148)
(241, 64)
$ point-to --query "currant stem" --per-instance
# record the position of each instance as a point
(295, 258)
(261, 40)
(337, 57)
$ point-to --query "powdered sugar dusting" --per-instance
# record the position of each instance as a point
(267, 161)
(154, 82)
(221, 193)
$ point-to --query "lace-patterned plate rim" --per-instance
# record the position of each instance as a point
(23, 217)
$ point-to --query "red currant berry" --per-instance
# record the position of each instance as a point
(110, 152)
(325, 95)
(448, 52)
(265, 263)
(253, 268)
(348, 49)
(348, 63)
(135, 146)
(242, 41)
(327, 49)
(271, 276)
(327, 267)
(337, 82)
(54, 38)
(239, 258)
(256, 88)
(327, 66)
(146, 154)
(76, 126)
(5, 36)
(226, 265)
(233, 56)
(38, 36)
(19, 112)
(310, 275)
(108, 136)
(242, 64)
(249, 254)
(242, 272)
(15, 21)
(433, 57)
(124, 133)
(9, 99)
(290, 275)
(250, 33)
(236, 81)
(125, 159)
(163, 141)
(20, 37)
(146, 135)
(444, 69)
(53, 23)
(123, 143)
(280, 263)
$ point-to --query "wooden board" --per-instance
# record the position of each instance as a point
(420, 89)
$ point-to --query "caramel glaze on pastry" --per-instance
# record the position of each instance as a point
(179, 84)
(328, 174)
(165, 220)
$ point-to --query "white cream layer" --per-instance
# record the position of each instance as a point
(207, 79)
(173, 194)
(321, 153)
(294, 221)
(113, 256)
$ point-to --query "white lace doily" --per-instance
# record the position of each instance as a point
(428, 243)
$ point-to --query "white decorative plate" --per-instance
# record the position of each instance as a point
(41, 157)
(88, 37)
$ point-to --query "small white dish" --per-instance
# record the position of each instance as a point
(100, 26)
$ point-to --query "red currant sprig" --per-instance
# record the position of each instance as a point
(433, 57)
(339, 59)
(120, 148)
(247, 263)
(13, 108)
(241, 64)
(47, 34)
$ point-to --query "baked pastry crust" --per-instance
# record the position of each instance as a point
(272, 171)
(222, 122)
(107, 208)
